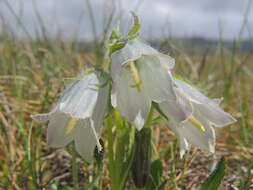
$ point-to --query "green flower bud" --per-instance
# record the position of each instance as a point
(142, 157)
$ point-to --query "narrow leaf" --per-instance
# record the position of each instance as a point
(156, 106)
(117, 46)
(215, 178)
(133, 33)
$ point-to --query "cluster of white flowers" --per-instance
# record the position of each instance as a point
(140, 75)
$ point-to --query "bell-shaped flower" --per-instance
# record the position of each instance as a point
(192, 117)
(77, 116)
(140, 75)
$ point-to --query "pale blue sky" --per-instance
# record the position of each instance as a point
(159, 17)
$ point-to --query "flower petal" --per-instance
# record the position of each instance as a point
(214, 114)
(86, 133)
(209, 130)
(85, 141)
(187, 133)
(80, 97)
(184, 145)
(132, 51)
(114, 97)
(179, 109)
(100, 108)
(203, 140)
(156, 79)
(134, 105)
(57, 127)
(197, 138)
(192, 92)
(165, 60)
(209, 108)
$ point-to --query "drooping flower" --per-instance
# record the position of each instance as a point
(140, 75)
(192, 117)
(77, 116)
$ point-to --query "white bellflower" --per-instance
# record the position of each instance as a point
(140, 75)
(77, 116)
(192, 117)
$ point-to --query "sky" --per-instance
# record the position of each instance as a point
(159, 18)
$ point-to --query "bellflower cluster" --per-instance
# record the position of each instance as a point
(140, 76)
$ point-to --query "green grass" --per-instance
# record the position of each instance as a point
(32, 74)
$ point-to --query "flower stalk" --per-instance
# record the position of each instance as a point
(74, 168)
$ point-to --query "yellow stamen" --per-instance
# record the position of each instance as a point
(71, 125)
(135, 75)
(196, 123)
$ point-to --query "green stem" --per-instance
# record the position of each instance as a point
(74, 169)
(150, 116)
(111, 152)
(173, 167)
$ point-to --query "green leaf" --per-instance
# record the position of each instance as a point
(246, 180)
(156, 171)
(56, 186)
(215, 178)
(133, 33)
(117, 42)
(156, 106)
(116, 46)
(115, 33)
(156, 181)
(161, 186)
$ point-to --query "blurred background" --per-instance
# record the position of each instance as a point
(44, 44)
(85, 19)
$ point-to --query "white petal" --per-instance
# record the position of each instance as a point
(139, 121)
(86, 133)
(157, 82)
(184, 145)
(56, 132)
(192, 92)
(179, 109)
(196, 137)
(172, 110)
(134, 105)
(114, 97)
(209, 130)
(100, 108)
(85, 141)
(166, 61)
(209, 108)
(214, 114)
(79, 98)
(187, 133)
(132, 51)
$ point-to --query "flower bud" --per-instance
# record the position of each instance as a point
(142, 157)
